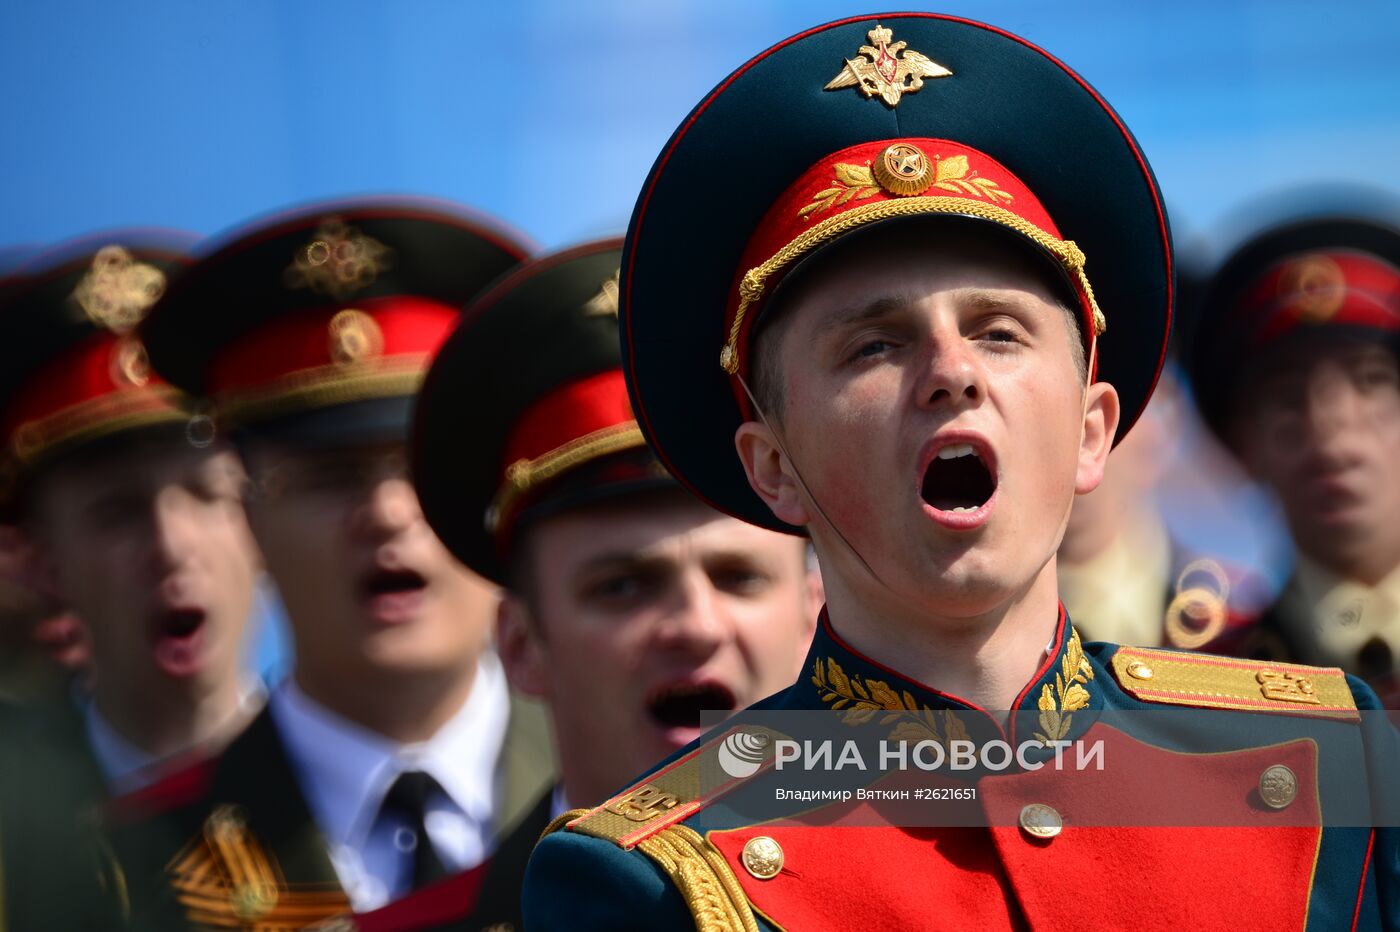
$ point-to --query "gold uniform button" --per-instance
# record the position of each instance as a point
(1139, 670)
(1278, 786)
(1041, 821)
(762, 857)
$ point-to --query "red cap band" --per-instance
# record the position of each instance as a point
(105, 378)
(876, 181)
(573, 411)
(578, 423)
(374, 328)
(1323, 288)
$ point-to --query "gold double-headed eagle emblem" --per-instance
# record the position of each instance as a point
(338, 261)
(117, 291)
(604, 303)
(887, 70)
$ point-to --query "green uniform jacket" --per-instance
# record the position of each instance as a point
(55, 870)
(232, 844)
(1043, 850)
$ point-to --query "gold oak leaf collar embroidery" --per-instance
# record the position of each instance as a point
(1068, 695)
(860, 699)
(859, 702)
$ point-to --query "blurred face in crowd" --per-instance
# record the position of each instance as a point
(636, 616)
(1320, 425)
(932, 396)
(30, 622)
(369, 589)
(150, 547)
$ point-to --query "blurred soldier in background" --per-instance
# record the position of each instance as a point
(633, 608)
(393, 755)
(1126, 571)
(42, 646)
(132, 518)
(133, 510)
(44, 649)
(1312, 307)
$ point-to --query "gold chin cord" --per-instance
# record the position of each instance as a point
(1089, 366)
(802, 483)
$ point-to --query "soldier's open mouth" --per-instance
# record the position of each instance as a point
(178, 645)
(393, 596)
(682, 705)
(957, 480)
(180, 623)
(392, 582)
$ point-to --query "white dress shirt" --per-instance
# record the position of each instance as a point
(345, 770)
(1332, 619)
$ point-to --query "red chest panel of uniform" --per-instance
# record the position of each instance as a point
(1131, 853)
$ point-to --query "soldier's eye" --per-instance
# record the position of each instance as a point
(739, 580)
(619, 588)
(328, 478)
(871, 348)
(1375, 376)
(117, 511)
(1001, 335)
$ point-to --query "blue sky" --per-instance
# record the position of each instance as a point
(201, 113)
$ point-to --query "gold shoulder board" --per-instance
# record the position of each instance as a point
(682, 788)
(648, 815)
(1205, 680)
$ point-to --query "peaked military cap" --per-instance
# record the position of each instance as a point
(861, 122)
(1320, 276)
(72, 370)
(315, 326)
(12, 257)
(525, 411)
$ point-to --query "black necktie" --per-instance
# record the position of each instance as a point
(407, 799)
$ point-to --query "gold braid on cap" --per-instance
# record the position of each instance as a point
(755, 280)
(523, 475)
(324, 386)
(95, 418)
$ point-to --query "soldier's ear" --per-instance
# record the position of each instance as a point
(770, 474)
(816, 593)
(1096, 438)
(520, 646)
